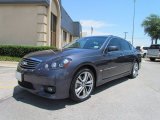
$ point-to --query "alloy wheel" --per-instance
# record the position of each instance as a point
(84, 85)
(135, 69)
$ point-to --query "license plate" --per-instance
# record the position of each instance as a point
(19, 76)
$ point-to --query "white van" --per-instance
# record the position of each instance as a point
(142, 50)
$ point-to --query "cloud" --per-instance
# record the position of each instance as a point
(99, 27)
(95, 24)
(87, 32)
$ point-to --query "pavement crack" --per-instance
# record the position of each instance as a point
(157, 91)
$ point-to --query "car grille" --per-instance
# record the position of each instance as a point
(29, 64)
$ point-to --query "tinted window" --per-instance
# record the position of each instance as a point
(115, 42)
(125, 45)
(138, 48)
(87, 43)
(145, 48)
(155, 47)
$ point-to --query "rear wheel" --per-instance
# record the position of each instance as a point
(135, 70)
(82, 85)
(144, 55)
(152, 59)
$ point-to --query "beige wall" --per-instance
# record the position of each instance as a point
(29, 24)
(67, 39)
(42, 24)
(23, 24)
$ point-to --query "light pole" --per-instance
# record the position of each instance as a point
(125, 35)
(91, 30)
(134, 14)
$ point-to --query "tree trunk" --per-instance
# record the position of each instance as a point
(156, 41)
(151, 42)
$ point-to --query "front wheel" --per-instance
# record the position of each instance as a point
(135, 70)
(82, 85)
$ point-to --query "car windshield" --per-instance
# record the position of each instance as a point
(87, 43)
(138, 48)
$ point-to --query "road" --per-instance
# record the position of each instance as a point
(123, 99)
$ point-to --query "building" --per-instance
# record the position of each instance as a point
(36, 23)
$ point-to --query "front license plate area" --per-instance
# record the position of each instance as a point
(19, 76)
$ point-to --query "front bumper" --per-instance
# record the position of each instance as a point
(37, 83)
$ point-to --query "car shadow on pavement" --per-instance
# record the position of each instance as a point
(29, 98)
(110, 84)
(40, 102)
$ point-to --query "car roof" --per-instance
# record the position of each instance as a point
(156, 44)
(107, 36)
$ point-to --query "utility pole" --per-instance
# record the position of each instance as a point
(125, 35)
(91, 30)
(134, 14)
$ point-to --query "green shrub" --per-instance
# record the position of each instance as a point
(20, 51)
(8, 58)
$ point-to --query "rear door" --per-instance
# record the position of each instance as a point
(128, 57)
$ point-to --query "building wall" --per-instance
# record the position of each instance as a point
(67, 22)
(42, 24)
(22, 24)
(30, 24)
(73, 29)
(55, 9)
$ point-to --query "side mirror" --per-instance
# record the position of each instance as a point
(112, 48)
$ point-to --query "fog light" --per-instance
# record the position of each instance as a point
(50, 89)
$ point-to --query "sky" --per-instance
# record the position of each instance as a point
(113, 17)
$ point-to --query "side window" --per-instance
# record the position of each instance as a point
(115, 42)
(125, 45)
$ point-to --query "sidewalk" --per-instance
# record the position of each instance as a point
(8, 81)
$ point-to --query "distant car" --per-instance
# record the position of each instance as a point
(142, 50)
(77, 69)
(154, 52)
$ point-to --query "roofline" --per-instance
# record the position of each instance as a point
(44, 2)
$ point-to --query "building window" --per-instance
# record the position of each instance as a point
(53, 29)
(53, 22)
(70, 39)
(64, 36)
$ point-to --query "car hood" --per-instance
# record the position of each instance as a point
(50, 54)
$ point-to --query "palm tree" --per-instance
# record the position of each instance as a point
(152, 27)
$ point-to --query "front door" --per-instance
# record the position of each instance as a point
(113, 61)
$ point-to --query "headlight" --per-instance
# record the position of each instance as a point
(58, 64)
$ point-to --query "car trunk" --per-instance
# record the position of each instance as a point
(154, 50)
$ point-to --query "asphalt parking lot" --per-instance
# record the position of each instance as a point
(122, 99)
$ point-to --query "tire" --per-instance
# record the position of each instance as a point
(144, 55)
(152, 59)
(81, 86)
(135, 69)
